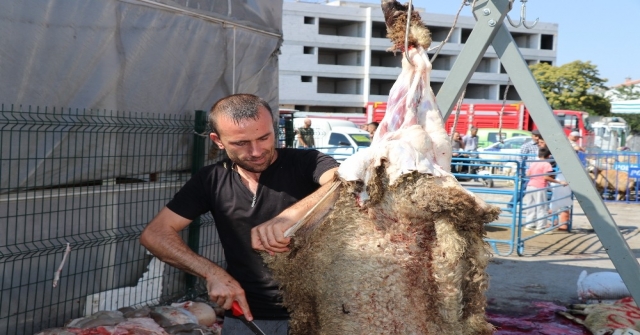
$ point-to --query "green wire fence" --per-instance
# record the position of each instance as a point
(92, 179)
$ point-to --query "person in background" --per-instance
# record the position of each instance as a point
(574, 137)
(527, 149)
(530, 148)
(457, 144)
(305, 135)
(371, 128)
(254, 196)
(536, 196)
(470, 141)
(560, 197)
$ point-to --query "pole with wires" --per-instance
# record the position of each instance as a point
(504, 101)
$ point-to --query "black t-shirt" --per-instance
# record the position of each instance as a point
(219, 189)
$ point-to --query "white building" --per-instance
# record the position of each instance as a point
(334, 56)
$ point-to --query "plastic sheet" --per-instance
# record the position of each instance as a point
(165, 57)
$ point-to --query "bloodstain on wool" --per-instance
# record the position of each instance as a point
(412, 260)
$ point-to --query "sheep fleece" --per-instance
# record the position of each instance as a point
(410, 261)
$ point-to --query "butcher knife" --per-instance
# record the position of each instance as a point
(237, 312)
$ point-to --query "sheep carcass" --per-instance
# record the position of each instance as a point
(397, 246)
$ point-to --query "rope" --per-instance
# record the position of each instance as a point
(504, 101)
(439, 47)
(455, 119)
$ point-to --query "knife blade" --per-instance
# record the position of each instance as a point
(237, 312)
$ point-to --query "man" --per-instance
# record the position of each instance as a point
(530, 149)
(471, 141)
(305, 135)
(371, 128)
(574, 136)
(257, 183)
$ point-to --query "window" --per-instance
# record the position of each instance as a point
(546, 42)
(309, 20)
(308, 50)
(306, 79)
(338, 139)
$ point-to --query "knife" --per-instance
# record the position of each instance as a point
(237, 312)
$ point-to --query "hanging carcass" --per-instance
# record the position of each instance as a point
(396, 247)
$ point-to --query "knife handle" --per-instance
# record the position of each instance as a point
(236, 310)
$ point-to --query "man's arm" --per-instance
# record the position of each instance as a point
(269, 236)
(300, 139)
(161, 238)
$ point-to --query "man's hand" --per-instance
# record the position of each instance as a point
(161, 238)
(269, 236)
(224, 290)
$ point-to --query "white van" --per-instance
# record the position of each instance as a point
(337, 138)
(321, 128)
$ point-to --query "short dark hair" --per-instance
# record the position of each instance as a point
(237, 107)
(543, 152)
(374, 123)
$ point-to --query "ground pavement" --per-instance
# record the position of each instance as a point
(551, 264)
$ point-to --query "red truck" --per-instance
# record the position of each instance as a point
(481, 115)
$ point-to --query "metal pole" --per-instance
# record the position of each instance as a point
(491, 29)
(197, 162)
(490, 15)
(605, 227)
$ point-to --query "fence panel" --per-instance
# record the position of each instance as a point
(92, 179)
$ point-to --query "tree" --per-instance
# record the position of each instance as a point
(626, 92)
(573, 86)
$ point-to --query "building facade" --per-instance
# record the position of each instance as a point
(335, 59)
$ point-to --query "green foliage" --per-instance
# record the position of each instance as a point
(573, 86)
(633, 120)
(627, 92)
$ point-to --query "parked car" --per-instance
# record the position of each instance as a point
(321, 128)
(488, 136)
(501, 150)
(342, 142)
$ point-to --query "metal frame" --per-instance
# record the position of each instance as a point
(490, 29)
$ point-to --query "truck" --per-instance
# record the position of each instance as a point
(487, 115)
(609, 133)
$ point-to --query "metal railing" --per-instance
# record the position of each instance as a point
(92, 179)
(502, 183)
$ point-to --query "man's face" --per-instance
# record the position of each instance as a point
(474, 132)
(541, 143)
(456, 136)
(371, 129)
(307, 123)
(250, 143)
(535, 138)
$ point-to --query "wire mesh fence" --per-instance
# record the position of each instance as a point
(92, 179)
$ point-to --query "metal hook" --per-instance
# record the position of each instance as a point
(523, 17)
(406, 34)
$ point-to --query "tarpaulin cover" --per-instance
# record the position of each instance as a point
(163, 57)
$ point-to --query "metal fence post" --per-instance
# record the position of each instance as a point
(197, 162)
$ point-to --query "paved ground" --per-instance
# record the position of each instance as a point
(551, 264)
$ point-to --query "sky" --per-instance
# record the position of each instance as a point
(607, 33)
